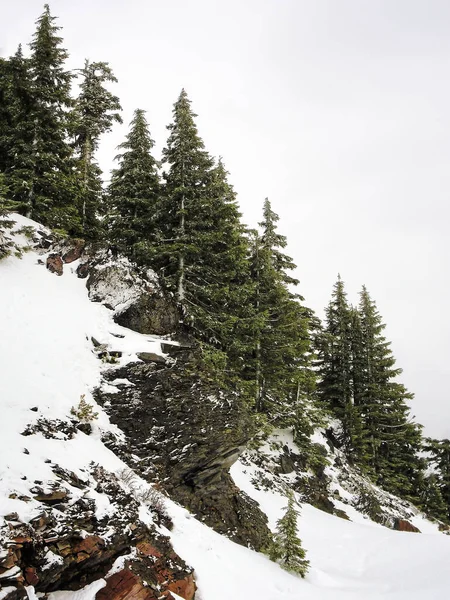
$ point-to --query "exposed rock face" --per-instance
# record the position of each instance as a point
(187, 433)
(150, 314)
(74, 251)
(135, 296)
(55, 264)
(50, 552)
(403, 525)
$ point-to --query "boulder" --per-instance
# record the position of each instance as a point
(404, 525)
(53, 497)
(55, 264)
(150, 314)
(75, 251)
(125, 585)
(135, 296)
(151, 357)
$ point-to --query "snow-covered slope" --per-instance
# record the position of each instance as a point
(47, 363)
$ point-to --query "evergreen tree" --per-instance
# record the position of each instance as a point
(185, 197)
(17, 124)
(393, 439)
(5, 125)
(134, 192)
(439, 451)
(96, 110)
(6, 243)
(335, 367)
(202, 251)
(287, 547)
(282, 336)
(43, 182)
(432, 502)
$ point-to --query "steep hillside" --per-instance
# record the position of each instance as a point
(83, 497)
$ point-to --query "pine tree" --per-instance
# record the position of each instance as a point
(439, 451)
(335, 386)
(44, 184)
(202, 250)
(185, 197)
(96, 110)
(133, 193)
(431, 500)
(17, 124)
(393, 440)
(282, 336)
(5, 125)
(287, 547)
(7, 245)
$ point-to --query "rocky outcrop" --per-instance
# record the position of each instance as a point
(134, 294)
(74, 251)
(55, 264)
(68, 547)
(186, 432)
(403, 525)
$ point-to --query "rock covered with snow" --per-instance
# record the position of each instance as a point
(133, 294)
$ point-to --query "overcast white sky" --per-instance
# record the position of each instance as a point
(338, 111)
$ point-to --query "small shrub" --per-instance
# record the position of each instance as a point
(127, 477)
(84, 412)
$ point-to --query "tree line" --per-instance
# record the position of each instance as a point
(234, 285)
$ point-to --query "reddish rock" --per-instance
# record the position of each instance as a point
(125, 585)
(9, 561)
(88, 546)
(403, 525)
(75, 252)
(183, 587)
(55, 264)
(147, 549)
(31, 576)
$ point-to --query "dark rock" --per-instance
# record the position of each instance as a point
(341, 514)
(70, 477)
(53, 497)
(150, 314)
(192, 461)
(85, 428)
(83, 270)
(34, 409)
(18, 594)
(11, 517)
(26, 451)
(75, 251)
(403, 525)
(95, 342)
(52, 429)
(55, 264)
(151, 357)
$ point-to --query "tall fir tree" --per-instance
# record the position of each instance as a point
(17, 125)
(439, 452)
(185, 197)
(7, 244)
(43, 183)
(133, 194)
(393, 439)
(202, 251)
(335, 360)
(282, 338)
(287, 547)
(96, 110)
